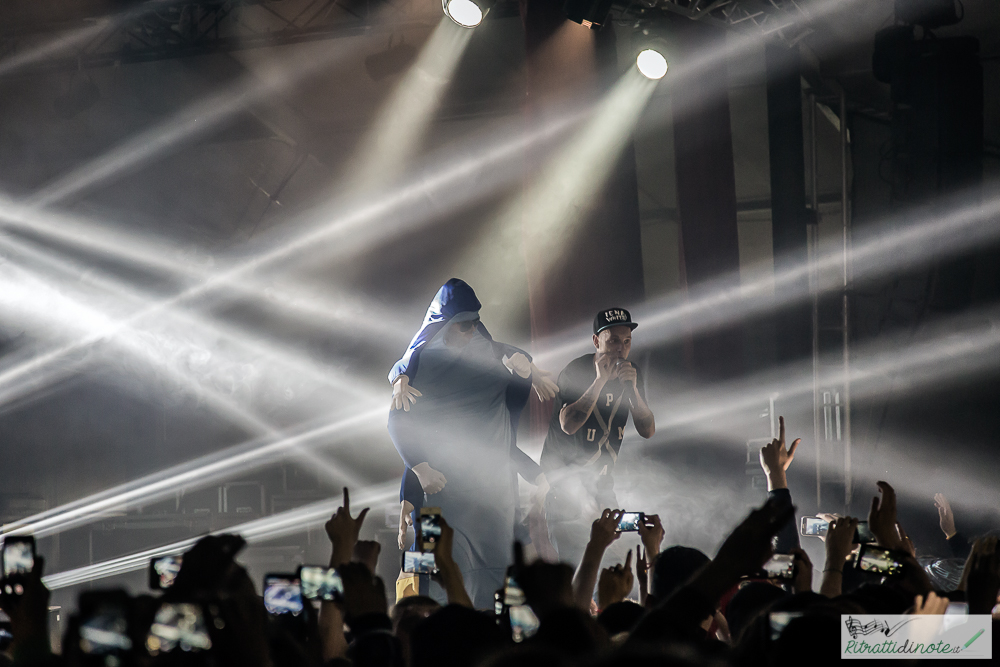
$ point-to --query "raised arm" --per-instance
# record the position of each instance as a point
(642, 416)
(574, 415)
(603, 532)
(774, 460)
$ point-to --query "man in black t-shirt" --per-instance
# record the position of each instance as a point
(597, 392)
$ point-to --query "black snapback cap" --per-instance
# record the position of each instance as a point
(613, 317)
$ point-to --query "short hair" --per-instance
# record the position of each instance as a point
(673, 568)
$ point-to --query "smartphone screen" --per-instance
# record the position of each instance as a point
(282, 595)
(523, 622)
(417, 562)
(321, 583)
(163, 571)
(813, 526)
(104, 630)
(18, 556)
(513, 596)
(779, 620)
(629, 523)
(864, 534)
(178, 625)
(879, 561)
(780, 566)
(430, 527)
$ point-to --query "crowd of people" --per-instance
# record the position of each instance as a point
(691, 609)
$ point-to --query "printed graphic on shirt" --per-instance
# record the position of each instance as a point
(598, 442)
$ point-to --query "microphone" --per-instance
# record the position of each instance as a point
(627, 391)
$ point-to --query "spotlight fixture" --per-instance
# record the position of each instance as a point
(588, 13)
(650, 53)
(651, 63)
(466, 13)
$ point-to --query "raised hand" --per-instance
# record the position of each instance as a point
(518, 363)
(604, 530)
(775, 459)
(946, 517)
(366, 552)
(905, 542)
(431, 480)
(749, 546)
(651, 533)
(803, 582)
(364, 593)
(543, 384)
(615, 583)
(449, 575)
(982, 575)
(840, 541)
(882, 518)
(606, 368)
(627, 374)
(931, 606)
(403, 395)
(343, 531)
(405, 521)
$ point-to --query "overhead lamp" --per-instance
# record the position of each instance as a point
(650, 53)
(589, 13)
(651, 63)
(466, 13)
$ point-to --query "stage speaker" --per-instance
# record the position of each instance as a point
(243, 498)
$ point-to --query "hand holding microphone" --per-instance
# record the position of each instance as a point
(626, 373)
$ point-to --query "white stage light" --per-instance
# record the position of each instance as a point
(651, 63)
(465, 13)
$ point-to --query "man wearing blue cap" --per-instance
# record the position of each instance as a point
(457, 399)
(597, 392)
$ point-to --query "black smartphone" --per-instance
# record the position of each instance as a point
(163, 571)
(6, 633)
(879, 561)
(418, 562)
(522, 619)
(178, 625)
(629, 523)
(780, 566)
(282, 595)
(430, 528)
(864, 534)
(320, 583)
(102, 628)
(778, 621)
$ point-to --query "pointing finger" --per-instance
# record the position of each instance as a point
(347, 500)
(781, 429)
(628, 560)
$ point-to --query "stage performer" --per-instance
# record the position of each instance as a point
(597, 392)
(457, 399)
